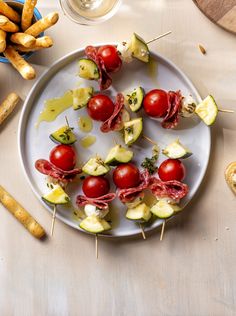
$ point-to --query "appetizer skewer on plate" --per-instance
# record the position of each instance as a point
(101, 62)
(60, 168)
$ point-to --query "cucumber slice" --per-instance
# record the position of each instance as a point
(207, 110)
(134, 99)
(125, 116)
(132, 130)
(63, 135)
(139, 48)
(140, 213)
(176, 150)
(94, 224)
(56, 196)
(163, 209)
(95, 167)
(81, 97)
(88, 69)
(118, 154)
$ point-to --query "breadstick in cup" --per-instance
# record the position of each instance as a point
(43, 24)
(11, 14)
(25, 69)
(3, 35)
(21, 214)
(42, 42)
(8, 105)
(8, 26)
(27, 13)
(23, 39)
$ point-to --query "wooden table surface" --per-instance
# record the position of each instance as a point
(192, 271)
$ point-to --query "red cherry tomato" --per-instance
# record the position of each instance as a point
(126, 176)
(100, 107)
(93, 187)
(155, 103)
(63, 157)
(110, 57)
(172, 169)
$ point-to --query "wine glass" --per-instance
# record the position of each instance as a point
(88, 12)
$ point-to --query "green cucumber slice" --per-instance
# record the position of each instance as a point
(176, 150)
(132, 130)
(134, 99)
(63, 135)
(94, 224)
(139, 48)
(88, 69)
(140, 213)
(207, 110)
(56, 196)
(95, 167)
(119, 154)
(163, 209)
(81, 97)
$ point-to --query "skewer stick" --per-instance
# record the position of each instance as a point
(67, 122)
(96, 246)
(53, 218)
(149, 140)
(226, 111)
(162, 229)
(158, 37)
(142, 231)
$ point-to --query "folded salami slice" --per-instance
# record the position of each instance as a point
(172, 118)
(51, 170)
(114, 122)
(100, 202)
(128, 195)
(104, 80)
(171, 189)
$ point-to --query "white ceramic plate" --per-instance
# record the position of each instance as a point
(35, 143)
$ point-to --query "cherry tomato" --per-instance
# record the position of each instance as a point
(155, 103)
(172, 169)
(100, 107)
(110, 57)
(63, 157)
(126, 176)
(93, 187)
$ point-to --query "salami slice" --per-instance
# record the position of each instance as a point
(172, 118)
(128, 195)
(51, 170)
(104, 80)
(100, 202)
(115, 120)
(172, 189)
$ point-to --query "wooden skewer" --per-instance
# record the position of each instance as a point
(226, 111)
(53, 219)
(142, 231)
(67, 122)
(162, 229)
(149, 140)
(96, 246)
(158, 37)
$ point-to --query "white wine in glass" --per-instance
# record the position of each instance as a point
(89, 11)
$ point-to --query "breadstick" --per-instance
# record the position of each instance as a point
(42, 42)
(23, 39)
(43, 24)
(8, 26)
(25, 69)
(6, 10)
(21, 214)
(3, 35)
(8, 106)
(27, 13)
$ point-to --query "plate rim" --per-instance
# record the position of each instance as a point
(21, 130)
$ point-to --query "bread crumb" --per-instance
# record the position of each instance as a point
(227, 228)
(202, 49)
(216, 238)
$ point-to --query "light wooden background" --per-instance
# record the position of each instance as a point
(192, 272)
